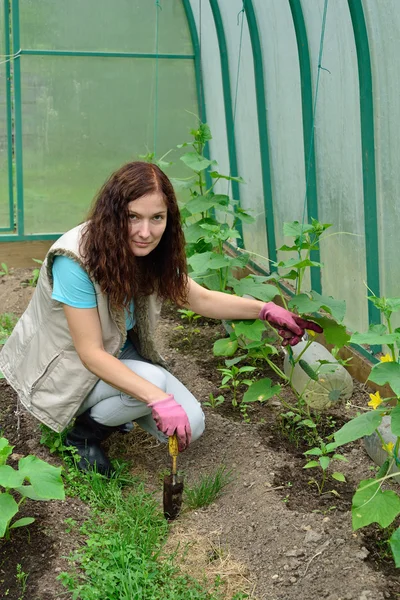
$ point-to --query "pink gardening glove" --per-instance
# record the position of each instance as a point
(290, 326)
(170, 418)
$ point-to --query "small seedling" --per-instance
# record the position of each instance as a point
(233, 377)
(4, 269)
(323, 463)
(70, 524)
(35, 273)
(214, 401)
(190, 318)
(208, 488)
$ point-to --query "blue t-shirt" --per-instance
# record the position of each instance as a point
(72, 286)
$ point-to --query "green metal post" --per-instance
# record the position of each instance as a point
(229, 120)
(368, 153)
(198, 74)
(18, 119)
(7, 50)
(308, 128)
(262, 128)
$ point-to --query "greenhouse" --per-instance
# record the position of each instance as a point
(246, 147)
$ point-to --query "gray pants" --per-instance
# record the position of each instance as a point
(112, 407)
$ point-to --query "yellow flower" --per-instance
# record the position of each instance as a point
(388, 447)
(311, 332)
(375, 401)
(386, 358)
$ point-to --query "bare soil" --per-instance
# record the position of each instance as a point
(270, 534)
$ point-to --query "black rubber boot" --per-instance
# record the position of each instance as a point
(86, 436)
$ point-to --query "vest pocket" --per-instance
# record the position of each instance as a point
(46, 372)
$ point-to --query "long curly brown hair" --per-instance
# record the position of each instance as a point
(105, 242)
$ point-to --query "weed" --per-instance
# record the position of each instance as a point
(70, 524)
(7, 324)
(121, 557)
(35, 273)
(208, 488)
(21, 578)
(52, 440)
(233, 377)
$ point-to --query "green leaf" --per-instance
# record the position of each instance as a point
(376, 335)
(314, 452)
(8, 508)
(394, 542)
(261, 291)
(295, 229)
(324, 462)
(22, 522)
(9, 478)
(307, 304)
(297, 263)
(335, 333)
(371, 505)
(250, 330)
(225, 347)
(234, 361)
(311, 464)
(5, 450)
(261, 391)
(386, 372)
(45, 479)
(338, 476)
(193, 233)
(395, 420)
(200, 204)
(196, 162)
(362, 425)
(308, 423)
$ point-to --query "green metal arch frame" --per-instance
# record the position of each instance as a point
(262, 128)
(226, 85)
(7, 65)
(368, 152)
(18, 120)
(308, 129)
(198, 74)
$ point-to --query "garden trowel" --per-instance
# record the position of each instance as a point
(173, 485)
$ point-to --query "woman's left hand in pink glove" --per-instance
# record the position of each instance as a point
(290, 327)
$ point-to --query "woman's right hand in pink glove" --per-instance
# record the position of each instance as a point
(170, 418)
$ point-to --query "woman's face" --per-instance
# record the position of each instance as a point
(147, 223)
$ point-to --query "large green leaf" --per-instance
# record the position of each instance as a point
(394, 542)
(261, 291)
(202, 262)
(298, 263)
(261, 391)
(225, 347)
(200, 204)
(376, 335)
(193, 233)
(395, 420)
(5, 450)
(9, 478)
(386, 372)
(216, 175)
(372, 505)
(45, 479)
(8, 508)
(252, 330)
(358, 427)
(196, 162)
(307, 304)
(295, 229)
(335, 333)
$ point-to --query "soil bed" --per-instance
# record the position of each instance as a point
(270, 533)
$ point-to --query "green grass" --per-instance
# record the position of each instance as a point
(208, 488)
(7, 324)
(122, 553)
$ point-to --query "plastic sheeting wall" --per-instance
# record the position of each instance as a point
(340, 164)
